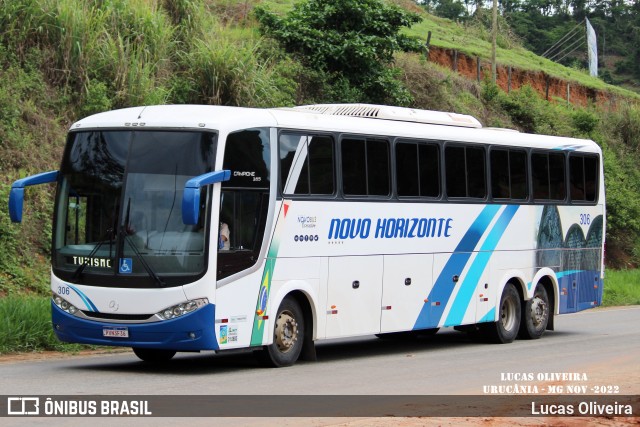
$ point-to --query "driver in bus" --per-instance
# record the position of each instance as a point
(223, 241)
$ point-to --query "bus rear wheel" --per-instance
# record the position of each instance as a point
(535, 315)
(506, 328)
(288, 335)
(153, 355)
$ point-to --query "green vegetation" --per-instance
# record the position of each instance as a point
(621, 287)
(64, 59)
(26, 326)
(347, 44)
(557, 26)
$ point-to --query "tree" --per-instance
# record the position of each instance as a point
(350, 42)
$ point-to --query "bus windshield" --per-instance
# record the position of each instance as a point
(119, 211)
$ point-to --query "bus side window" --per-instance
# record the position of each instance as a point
(465, 171)
(306, 164)
(365, 167)
(583, 173)
(417, 169)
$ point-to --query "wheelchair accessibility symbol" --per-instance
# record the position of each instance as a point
(126, 265)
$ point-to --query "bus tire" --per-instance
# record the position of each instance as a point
(288, 335)
(153, 355)
(506, 328)
(535, 315)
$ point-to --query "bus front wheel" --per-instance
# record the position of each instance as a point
(506, 328)
(153, 355)
(535, 315)
(288, 335)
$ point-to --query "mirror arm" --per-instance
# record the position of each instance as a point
(191, 195)
(16, 195)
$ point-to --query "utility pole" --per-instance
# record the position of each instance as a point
(494, 39)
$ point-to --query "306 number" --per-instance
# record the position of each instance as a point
(63, 290)
(585, 219)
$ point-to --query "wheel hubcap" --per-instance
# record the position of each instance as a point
(507, 314)
(286, 331)
(538, 311)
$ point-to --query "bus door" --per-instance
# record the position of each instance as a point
(354, 295)
(407, 281)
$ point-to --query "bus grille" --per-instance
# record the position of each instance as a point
(113, 316)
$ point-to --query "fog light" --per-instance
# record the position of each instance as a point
(192, 335)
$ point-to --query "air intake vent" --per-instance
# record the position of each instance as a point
(385, 112)
(113, 316)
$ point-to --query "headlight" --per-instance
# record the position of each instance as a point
(182, 309)
(64, 304)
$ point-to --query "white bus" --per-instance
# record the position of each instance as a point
(189, 228)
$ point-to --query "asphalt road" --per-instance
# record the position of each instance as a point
(602, 346)
(598, 343)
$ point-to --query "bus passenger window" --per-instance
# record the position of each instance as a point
(417, 169)
(540, 172)
(583, 172)
(465, 171)
(365, 167)
(557, 176)
(509, 174)
(306, 164)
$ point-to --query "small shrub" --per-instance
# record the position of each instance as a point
(584, 121)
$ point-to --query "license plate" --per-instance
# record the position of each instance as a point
(121, 332)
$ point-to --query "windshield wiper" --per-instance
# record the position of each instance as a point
(108, 237)
(126, 238)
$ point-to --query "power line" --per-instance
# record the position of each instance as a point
(577, 44)
(563, 39)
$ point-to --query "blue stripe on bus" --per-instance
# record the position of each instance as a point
(489, 317)
(84, 298)
(443, 287)
(470, 283)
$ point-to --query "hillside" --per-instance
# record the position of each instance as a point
(61, 60)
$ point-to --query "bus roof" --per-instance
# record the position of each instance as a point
(362, 119)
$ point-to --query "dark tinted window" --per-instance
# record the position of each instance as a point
(509, 174)
(557, 176)
(500, 174)
(456, 172)
(548, 172)
(476, 182)
(247, 156)
(518, 174)
(306, 164)
(465, 171)
(583, 172)
(365, 167)
(540, 174)
(417, 169)
(407, 170)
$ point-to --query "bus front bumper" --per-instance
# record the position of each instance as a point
(191, 332)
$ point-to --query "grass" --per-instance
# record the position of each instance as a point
(26, 326)
(621, 287)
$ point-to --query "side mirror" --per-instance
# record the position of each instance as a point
(191, 196)
(16, 195)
